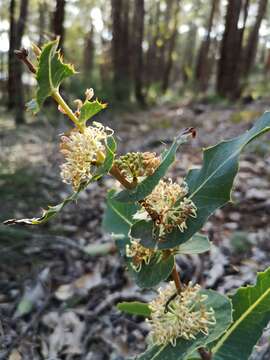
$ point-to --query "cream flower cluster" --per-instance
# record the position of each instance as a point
(139, 254)
(167, 206)
(183, 315)
(82, 151)
(135, 165)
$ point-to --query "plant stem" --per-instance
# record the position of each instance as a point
(115, 172)
(176, 279)
(205, 355)
(60, 101)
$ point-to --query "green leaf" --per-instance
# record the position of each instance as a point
(152, 274)
(89, 109)
(196, 245)
(210, 187)
(52, 211)
(135, 308)
(251, 305)
(147, 185)
(51, 71)
(118, 217)
(185, 348)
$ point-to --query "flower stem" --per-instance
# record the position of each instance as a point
(60, 101)
(118, 176)
(176, 279)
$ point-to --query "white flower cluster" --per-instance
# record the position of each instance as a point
(83, 151)
(181, 315)
(167, 206)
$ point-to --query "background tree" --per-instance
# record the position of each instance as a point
(58, 21)
(138, 32)
(229, 72)
(17, 28)
(203, 64)
(252, 43)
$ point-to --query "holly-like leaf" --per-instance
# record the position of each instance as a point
(118, 217)
(145, 187)
(89, 109)
(209, 187)
(51, 72)
(153, 273)
(52, 211)
(251, 314)
(185, 348)
(135, 308)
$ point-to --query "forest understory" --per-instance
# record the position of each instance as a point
(60, 282)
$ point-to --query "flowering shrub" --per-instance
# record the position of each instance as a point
(152, 219)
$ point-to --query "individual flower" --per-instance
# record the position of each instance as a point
(167, 206)
(83, 151)
(134, 165)
(183, 315)
(139, 254)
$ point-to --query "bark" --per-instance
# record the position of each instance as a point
(228, 77)
(11, 58)
(151, 66)
(202, 71)
(15, 86)
(58, 21)
(171, 46)
(252, 43)
(189, 52)
(120, 49)
(89, 48)
(138, 31)
(42, 8)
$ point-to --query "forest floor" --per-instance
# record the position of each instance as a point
(57, 298)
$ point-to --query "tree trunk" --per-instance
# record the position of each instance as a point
(138, 30)
(58, 21)
(89, 48)
(15, 86)
(171, 46)
(252, 43)
(120, 49)
(228, 77)
(202, 67)
(42, 8)
(11, 57)
(151, 63)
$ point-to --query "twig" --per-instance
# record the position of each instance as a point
(115, 172)
(23, 56)
(176, 279)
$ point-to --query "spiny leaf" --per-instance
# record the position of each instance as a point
(152, 274)
(89, 109)
(54, 210)
(135, 308)
(209, 187)
(51, 72)
(147, 185)
(118, 217)
(185, 348)
(251, 305)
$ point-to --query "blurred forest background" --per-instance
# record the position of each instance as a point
(162, 65)
(142, 50)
